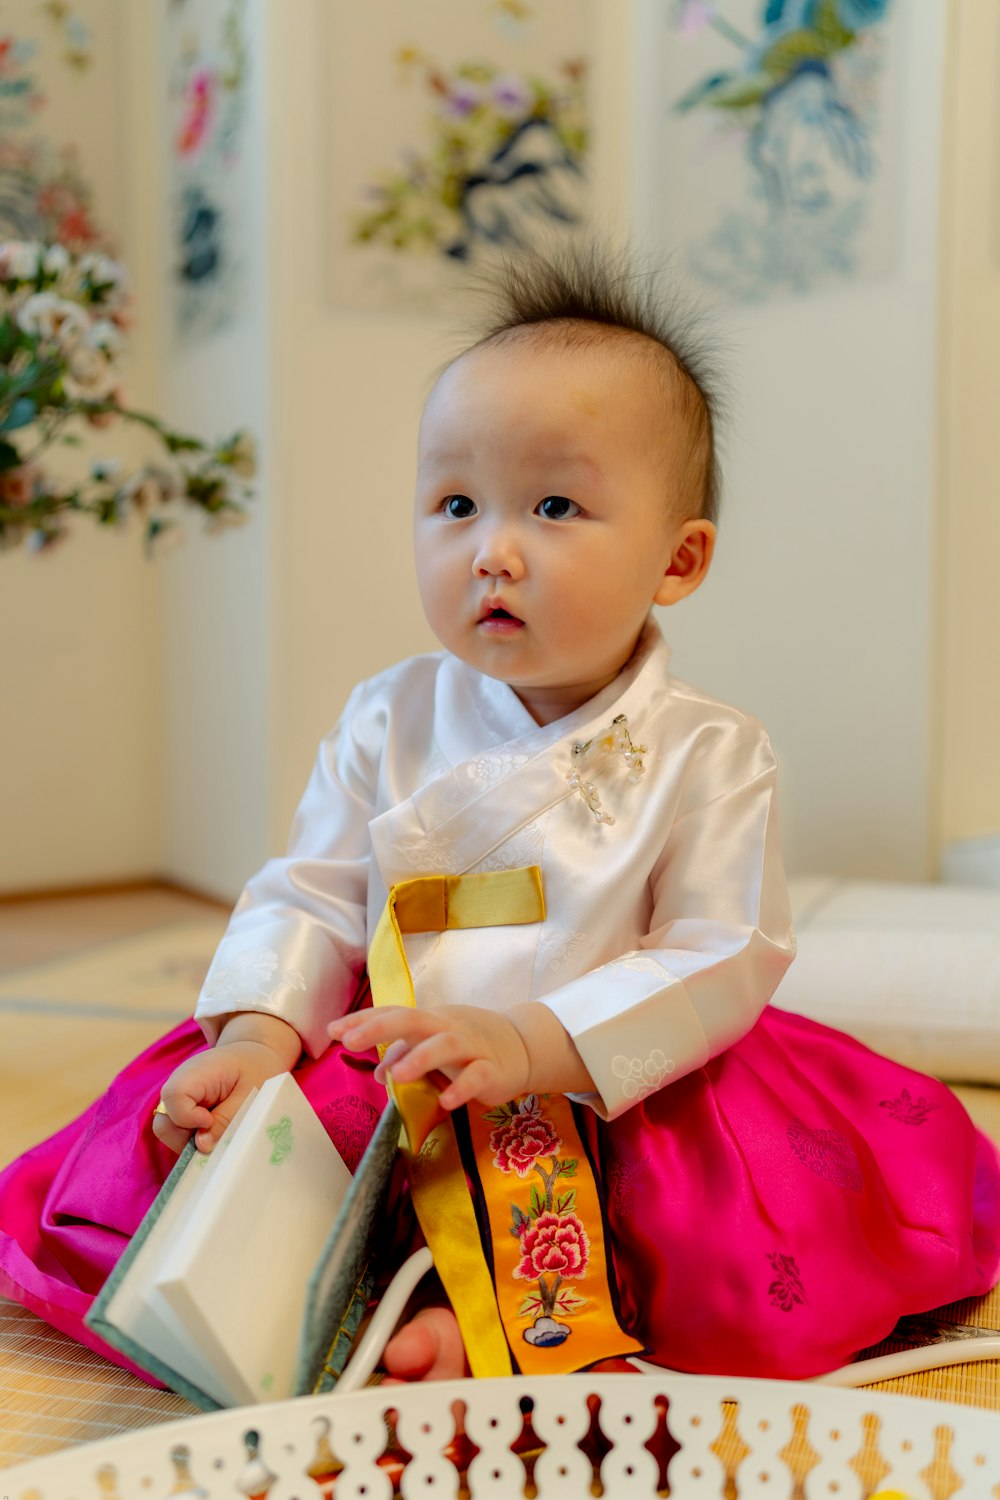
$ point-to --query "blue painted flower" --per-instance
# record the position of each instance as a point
(857, 14)
(200, 238)
(806, 139)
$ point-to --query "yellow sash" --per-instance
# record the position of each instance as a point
(543, 1261)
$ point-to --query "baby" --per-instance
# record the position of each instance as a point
(659, 1160)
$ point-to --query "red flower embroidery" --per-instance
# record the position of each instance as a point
(520, 1140)
(553, 1245)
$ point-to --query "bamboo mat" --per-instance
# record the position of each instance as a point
(67, 1028)
(54, 1393)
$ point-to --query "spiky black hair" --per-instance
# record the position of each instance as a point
(587, 294)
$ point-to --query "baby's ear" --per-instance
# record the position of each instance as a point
(690, 559)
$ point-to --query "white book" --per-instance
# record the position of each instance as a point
(215, 1284)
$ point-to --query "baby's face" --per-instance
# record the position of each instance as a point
(543, 524)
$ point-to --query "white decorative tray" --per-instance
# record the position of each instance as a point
(621, 1436)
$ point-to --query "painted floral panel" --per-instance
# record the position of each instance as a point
(59, 140)
(456, 133)
(777, 120)
(208, 109)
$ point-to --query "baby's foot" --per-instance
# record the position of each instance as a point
(428, 1348)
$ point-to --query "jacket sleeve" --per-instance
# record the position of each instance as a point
(295, 945)
(720, 939)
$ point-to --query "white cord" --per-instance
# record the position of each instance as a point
(912, 1361)
(890, 1366)
(387, 1315)
(863, 1372)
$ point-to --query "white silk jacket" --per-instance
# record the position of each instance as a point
(667, 930)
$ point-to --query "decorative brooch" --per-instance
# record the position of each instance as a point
(615, 738)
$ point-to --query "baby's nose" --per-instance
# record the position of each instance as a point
(498, 557)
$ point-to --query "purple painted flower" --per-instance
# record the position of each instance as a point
(463, 98)
(693, 16)
(512, 96)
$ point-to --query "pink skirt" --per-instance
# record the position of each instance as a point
(770, 1214)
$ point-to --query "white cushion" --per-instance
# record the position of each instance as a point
(911, 970)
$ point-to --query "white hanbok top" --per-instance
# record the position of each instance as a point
(666, 931)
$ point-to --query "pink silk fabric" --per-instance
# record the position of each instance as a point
(769, 1214)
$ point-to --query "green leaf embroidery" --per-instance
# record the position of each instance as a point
(531, 1305)
(568, 1168)
(566, 1202)
(519, 1220)
(537, 1203)
(568, 1302)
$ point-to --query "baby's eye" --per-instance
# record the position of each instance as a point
(557, 508)
(459, 507)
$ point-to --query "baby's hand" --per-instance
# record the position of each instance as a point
(482, 1054)
(205, 1092)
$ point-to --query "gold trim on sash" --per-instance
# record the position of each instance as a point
(441, 1196)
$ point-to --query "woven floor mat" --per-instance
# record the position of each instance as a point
(55, 1393)
(69, 1026)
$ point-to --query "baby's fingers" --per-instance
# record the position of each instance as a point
(391, 1023)
(207, 1139)
(169, 1134)
(477, 1081)
(440, 1053)
(183, 1114)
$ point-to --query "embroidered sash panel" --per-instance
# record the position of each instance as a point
(546, 1225)
(546, 1239)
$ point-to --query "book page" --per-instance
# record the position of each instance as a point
(236, 1273)
(137, 1308)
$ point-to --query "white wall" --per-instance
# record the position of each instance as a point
(344, 421)
(80, 765)
(969, 559)
(820, 612)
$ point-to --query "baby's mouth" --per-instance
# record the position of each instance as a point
(496, 619)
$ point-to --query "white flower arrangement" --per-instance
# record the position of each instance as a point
(63, 321)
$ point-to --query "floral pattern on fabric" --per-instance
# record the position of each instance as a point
(254, 975)
(350, 1123)
(907, 1110)
(555, 1247)
(786, 1290)
(623, 1182)
(521, 1140)
(642, 1077)
(827, 1153)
